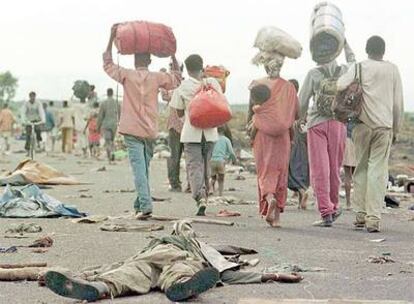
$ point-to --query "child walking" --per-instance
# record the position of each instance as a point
(222, 152)
(94, 136)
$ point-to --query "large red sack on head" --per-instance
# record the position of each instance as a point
(145, 37)
(209, 109)
(220, 73)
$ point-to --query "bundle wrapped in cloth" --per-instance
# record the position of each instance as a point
(219, 72)
(145, 37)
(271, 39)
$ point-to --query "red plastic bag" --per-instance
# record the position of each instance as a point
(209, 109)
(145, 37)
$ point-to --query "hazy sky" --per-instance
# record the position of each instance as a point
(48, 44)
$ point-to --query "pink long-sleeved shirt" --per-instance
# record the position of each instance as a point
(139, 113)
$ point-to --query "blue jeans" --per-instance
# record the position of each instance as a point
(140, 152)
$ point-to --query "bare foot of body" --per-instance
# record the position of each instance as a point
(276, 220)
(303, 199)
(270, 210)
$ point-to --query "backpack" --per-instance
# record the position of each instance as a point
(348, 103)
(326, 94)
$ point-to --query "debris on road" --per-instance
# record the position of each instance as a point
(33, 172)
(380, 259)
(22, 265)
(40, 250)
(377, 240)
(130, 228)
(24, 228)
(286, 267)
(192, 220)
(91, 219)
(227, 213)
(31, 202)
(46, 241)
(11, 249)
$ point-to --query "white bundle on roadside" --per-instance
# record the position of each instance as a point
(271, 40)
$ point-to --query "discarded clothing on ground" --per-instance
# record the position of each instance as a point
(43, 242)
(380, 259)
(24, 228)
(30, 201)
(130, 228)
(11, 249)
(91, 219)
(33, 172)
(285, 267)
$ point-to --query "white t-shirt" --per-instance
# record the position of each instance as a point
(181, 99)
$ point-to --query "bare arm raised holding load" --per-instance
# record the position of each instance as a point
(139, 114)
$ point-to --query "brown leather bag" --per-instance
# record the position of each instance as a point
(348, 103)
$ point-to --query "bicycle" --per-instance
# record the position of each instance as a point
(33, 140)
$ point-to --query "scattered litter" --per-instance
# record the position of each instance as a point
(377, 240)
(240, 178)
(244, 155)
(100, 169)
(85, 196)
(161, 199)
(16, 236)
(227, 200)
(22, 228)
(120, 191)
(162, 155)
(130, 228)
(31, 202)
(411, 208)
(40, 250)
(392, 202)
(254, 262)
(11, 249)
(227, 213)
(234, 169)
(84, 190)
(411, 263)
(293, 268)
(233, 250)
(42, 242)
(380, 260)
(91, 219)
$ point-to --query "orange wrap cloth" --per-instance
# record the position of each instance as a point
(271, 146)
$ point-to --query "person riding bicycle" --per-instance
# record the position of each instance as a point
(32, 112)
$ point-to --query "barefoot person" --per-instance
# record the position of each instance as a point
(139, 116)
(271, 145)
(178, 265)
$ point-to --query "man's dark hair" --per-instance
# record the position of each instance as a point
(260, 94)
(295, 84)
(32, 93)
(194, 63)
(65, 104)
(375, 46)
(92, 87)
(95, 105)
(51, 103)
(110, 92)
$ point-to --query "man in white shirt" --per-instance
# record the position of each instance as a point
(379, 123)
(198, 143)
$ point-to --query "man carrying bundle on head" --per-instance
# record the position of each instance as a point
(139, 115)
